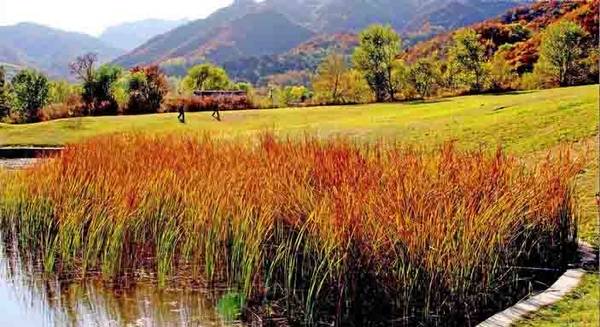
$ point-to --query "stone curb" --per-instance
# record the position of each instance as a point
(563, 286)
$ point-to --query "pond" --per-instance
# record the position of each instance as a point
(28, 298)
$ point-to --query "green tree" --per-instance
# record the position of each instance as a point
(62, 91)
(502, 75)
(206, 77)
(102, 90)
(97, 84)
(423, 75)
(4, 94)
(244, 86)
(468, 54)
(561, 52)
(31, 93)
(375, 57)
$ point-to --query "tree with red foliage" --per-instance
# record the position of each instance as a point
(147, 88)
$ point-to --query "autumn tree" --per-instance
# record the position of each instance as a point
(468, 54)
(561, 52)
(31, 93)
(83, 69)
(97, 84)
(375, 57)
(449, 78)
(328, 80)
(147, 87)
(355, 88)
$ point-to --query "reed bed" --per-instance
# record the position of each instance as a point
(316, 231)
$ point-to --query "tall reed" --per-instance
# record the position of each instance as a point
(322, 230)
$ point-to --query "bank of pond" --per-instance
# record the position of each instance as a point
(290, 232)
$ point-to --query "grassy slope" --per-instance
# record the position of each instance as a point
(524, 123)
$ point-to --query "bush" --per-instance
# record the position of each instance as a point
(73, 106)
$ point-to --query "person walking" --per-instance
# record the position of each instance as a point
(181, 116)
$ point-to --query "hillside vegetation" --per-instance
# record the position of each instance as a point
(519, 30)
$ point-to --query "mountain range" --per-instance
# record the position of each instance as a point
(251, 38)
(48, 49)
(248, 28)
(128, 36)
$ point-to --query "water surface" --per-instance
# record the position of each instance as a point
(28, 298)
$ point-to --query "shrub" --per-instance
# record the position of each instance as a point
(63, 92)
(196, 103)
(73, 106)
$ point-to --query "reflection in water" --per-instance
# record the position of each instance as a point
(27, 298)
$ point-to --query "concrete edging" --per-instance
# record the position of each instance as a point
(559, 290)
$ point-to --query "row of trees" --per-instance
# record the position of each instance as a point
(466, 66)
(30, 96)
(109, 90)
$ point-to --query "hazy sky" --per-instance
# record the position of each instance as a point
(93, 16)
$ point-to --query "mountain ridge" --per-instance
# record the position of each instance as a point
(317, 16)
(130, 35)
(48, 49)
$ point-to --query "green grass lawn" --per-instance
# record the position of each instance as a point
(525, 123)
